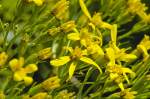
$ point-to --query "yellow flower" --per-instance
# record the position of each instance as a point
(84, 36)
(118, 55)
(37, 2)
(97, 21)
(144, 47)
(3, 58)
(118, 72)
(95, 49)
(76, 54)
(51, 83)
(20, 73)
(60, 8)
(68, 26)
(54, 31)
(45, 53)
(64, 94)
(73, 36)
(127, 94)
(86, 39)
(139, 8)
(114, 54)
(136, 7)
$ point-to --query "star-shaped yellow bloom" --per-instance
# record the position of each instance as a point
(20, 73)
(114, 53)
(76, 54)
(96, 20)
(118, 72)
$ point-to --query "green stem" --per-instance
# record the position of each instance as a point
(88, 74)
(125, 35)
(35, 89)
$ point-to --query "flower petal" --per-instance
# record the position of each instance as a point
(70, 49)
(143, 49)
(95, 49)
(61, 61)
(127, 70)
(28, 80)
(110, 53)
(121, 86)
(83, 42)
(128, 57)
(38, 2)
(84, 9)
(14, 65)
(126, 77)
(31, 68)
(90, 61)
(114, 34)
(73, 36)
(21, 61)
(71, 70)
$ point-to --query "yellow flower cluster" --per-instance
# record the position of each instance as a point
(115, 56)
(20, 73)
(92, 46)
